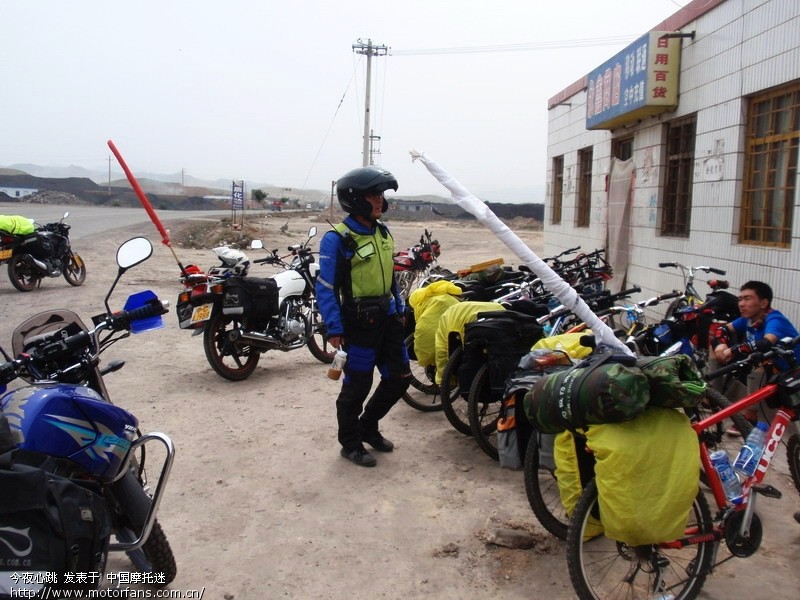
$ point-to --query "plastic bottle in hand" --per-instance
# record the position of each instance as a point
(751, 451)
(335, 370)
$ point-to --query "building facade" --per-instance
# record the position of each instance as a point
(684, 148)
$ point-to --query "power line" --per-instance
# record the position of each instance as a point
(526, 47)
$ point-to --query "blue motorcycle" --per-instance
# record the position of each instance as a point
(64, 413)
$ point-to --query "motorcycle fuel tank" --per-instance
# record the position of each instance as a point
(72, 422)
(290, 283)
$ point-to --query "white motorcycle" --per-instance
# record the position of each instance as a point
(242, 317)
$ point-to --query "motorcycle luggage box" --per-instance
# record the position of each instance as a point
(253, 297)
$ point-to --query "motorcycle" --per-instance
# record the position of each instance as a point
(243, 317)
(65, 413)
(44, 253)
(417, 263)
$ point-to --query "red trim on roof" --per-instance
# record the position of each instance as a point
(684, 16)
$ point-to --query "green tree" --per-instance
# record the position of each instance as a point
(259, 195)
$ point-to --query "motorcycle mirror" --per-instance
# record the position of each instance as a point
(312, 232)
(66, 214)
(129, 254)
(256, 245)
(134, 251)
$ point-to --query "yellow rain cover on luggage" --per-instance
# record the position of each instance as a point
(429, 303)
(647, 473)
(567, 342)
(16, 225)
(569, 478)
(453, 320)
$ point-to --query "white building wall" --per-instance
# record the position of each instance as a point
(741, 47)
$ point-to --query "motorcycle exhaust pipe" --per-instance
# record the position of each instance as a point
(262, 340)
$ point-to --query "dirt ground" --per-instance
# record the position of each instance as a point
(261, 505)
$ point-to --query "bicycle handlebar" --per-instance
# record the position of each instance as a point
(781, 348)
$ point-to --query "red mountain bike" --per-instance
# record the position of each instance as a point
(601, 568)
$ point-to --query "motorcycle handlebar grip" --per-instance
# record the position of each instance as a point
(8, 371)
(154, 308)
(78, 340)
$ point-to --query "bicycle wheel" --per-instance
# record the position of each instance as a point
(674, 306)
(793, 455)
(541, 487)
(482, 414)
(453, 403)
(716, 401)
(603, 569)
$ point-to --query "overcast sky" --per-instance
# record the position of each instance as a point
(273, 92)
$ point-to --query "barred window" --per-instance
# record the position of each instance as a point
(584, 188)
(622, 148)
(558, 188)
(773, 132)
(677, 211)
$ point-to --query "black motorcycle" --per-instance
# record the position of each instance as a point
(44, 253)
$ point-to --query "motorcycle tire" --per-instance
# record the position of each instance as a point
(22, 274)
(234, 362)
(318, 340)
(75, 270)
(131, 504)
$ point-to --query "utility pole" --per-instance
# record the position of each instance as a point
(109, 175)
(370, 50)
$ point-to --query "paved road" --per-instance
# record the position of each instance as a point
(90, 220)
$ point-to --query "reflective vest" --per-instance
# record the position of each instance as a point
(371, 264)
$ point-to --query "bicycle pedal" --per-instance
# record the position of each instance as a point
(768, 491)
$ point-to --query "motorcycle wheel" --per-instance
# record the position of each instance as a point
(75, 270)
(132, 504)
(318, 341)
(22, 274)
(233, 362)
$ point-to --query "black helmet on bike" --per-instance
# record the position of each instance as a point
(353, 186)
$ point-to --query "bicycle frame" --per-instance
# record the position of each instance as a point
(780, 423)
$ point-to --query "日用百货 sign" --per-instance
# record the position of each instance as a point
(640, 81)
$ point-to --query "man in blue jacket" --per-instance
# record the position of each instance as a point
(362, 310)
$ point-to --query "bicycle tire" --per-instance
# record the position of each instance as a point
(483, 415)
(674, 306)
(601, 568)
(541, 487)
(793, 456)
(717, 401)
(454, 405)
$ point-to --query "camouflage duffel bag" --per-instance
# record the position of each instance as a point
(675, 381)
(603, 388)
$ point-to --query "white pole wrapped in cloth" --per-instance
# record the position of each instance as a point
(551, 280)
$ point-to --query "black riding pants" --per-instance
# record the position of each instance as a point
(380, 345)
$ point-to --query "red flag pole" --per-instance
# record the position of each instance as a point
(145, 203)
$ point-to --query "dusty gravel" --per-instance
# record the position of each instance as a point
(261, 505)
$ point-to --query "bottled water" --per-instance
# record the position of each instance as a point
(750, 454)
(730, 481)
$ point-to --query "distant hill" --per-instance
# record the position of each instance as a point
(194, 194)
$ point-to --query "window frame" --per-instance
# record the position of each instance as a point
(583, 207)
(772, 145)
(679, 151)
(558, 189)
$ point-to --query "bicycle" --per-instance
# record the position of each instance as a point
(691, 296)
(601, 568)
(541, 485)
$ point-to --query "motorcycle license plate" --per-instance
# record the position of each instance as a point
(4, 254)
(202, 313)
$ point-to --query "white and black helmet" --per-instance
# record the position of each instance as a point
(354, 185)
(234, 262)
